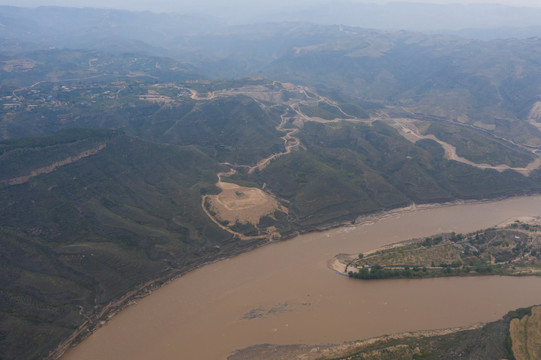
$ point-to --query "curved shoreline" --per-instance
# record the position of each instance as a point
(147, 289)
(317, 351)
(345, 264)
(113, 308)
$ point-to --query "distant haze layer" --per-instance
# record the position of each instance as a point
(184, 6)
(422, 15)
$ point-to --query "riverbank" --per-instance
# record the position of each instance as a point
(286, 276)
(516, 335)
(110, 310)
(94, 323)
(324, 351)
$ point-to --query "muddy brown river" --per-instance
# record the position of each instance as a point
(284, 293)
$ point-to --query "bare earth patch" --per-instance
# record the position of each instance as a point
(242, 204)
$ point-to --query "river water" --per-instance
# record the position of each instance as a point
(284, 293)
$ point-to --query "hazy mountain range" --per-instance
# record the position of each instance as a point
(115, 127)
(473, 20)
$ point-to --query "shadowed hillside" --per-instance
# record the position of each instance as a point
(76, 240)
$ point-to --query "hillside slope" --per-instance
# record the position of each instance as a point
(77, 239)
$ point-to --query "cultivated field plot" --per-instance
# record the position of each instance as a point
(526, 335)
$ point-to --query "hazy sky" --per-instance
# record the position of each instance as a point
(194, 5)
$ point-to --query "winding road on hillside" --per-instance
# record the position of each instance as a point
(408, 129)
(292, 115)
(292, 123)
